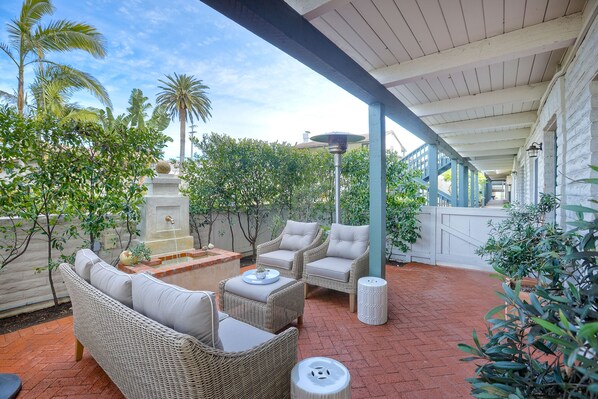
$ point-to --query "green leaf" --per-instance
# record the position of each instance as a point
(535, 303)
(469, 349)
(474, 335)
(589, 330)
(564, 320)
(559, 341)
(579, 208)
(572, 357)
(549, 326)
(494, 310)
(508, 365)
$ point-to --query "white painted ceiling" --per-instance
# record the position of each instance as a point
(474, 70)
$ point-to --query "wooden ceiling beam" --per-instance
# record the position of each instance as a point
(477, 154)
(494, 145)
(518, 120)
(483, 137)
(512, 95)
(552, 35)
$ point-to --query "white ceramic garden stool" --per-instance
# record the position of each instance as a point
(372, 300)
(320, 377)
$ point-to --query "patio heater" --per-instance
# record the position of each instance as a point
(337, 145)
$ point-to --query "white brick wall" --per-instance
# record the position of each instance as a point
(573, 101)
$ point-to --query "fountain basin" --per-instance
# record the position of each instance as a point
(191, 269)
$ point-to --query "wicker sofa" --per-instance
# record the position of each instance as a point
(146, 359)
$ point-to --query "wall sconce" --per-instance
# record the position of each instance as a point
(514, 172)
(533, 149)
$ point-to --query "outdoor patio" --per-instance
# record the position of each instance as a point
(431, 309)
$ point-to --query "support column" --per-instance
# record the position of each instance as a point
(377, 132)
(476, 190)
(433, 173)
(454, 188)
(463, 178)
(472, 188)
(488, 191)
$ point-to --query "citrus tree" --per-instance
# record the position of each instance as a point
(403, 197)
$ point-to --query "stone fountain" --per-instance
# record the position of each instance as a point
(164, 226)
(164, 229)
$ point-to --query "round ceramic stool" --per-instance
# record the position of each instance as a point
(372, 300)
(320, 377)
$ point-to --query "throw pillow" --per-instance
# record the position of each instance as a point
(297, 235)
(348, 242)
(112, 282)
(84, 260)
(188, 312)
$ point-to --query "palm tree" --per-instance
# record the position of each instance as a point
(185, 97)
(138, 106)
(29, 41)
(54, 86)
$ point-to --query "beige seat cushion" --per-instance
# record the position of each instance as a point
(188, 312)
(84, 260)
(112, 282)
(237, 336)
(330, 267)
(281, 258)
(256, 292)
(298, 235)
(348, 242)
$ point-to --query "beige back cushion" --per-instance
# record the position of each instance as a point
(188, 312)
(112, 282)
(298, 235)
(84, 260)
(348, 242)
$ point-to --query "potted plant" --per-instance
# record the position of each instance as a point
(548, 347)
(261, 272)
(138, 253)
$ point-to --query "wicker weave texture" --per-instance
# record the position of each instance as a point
(359, 268)
(148, 360)
(296, 270)
(281, 308)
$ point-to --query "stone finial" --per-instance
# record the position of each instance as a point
(163, 167)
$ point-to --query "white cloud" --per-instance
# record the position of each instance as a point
(256, 90)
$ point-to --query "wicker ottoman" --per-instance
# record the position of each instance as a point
(269, 307)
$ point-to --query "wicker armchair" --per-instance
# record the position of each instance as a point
(148, 360)
(339, 262)
(285, 253)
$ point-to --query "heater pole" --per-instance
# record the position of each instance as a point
(337, 187)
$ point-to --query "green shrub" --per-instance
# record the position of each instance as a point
(546, 348)
(522, 245)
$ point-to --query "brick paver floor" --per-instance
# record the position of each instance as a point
(413, 356)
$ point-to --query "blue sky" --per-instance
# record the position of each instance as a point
(256, 90)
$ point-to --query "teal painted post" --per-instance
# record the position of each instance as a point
(472, 188)
(377, 190)
(454, 188)
(463, 178)
(477, 190)
(433, 173)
